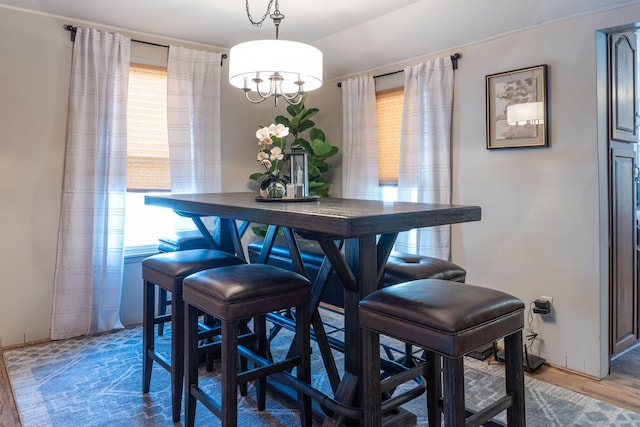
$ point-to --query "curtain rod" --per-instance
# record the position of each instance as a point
(454, 63)
(73, 30)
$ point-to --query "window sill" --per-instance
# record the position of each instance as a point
(133, 253)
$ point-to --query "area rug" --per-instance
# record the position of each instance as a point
(96, 381)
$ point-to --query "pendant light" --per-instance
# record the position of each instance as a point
(274, 68)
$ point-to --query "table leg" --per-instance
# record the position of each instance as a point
(226, 236)
(226, 233)
(365, 258)
(360, 270)
(361, 257)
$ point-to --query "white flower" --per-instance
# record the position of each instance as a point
(264, 135)
(263, 159)
(270, 155)
(276, 154)
(279, 130)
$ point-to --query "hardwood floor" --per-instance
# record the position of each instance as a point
(8, 411)
(621, 388)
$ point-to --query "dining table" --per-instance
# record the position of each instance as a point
(356, 236)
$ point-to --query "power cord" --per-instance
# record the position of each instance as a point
(531, 335)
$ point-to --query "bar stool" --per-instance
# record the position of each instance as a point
(232, 294)
(403, 267)
(447, 320)
(167, 271)
(178, 241)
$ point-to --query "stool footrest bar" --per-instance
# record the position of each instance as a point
(159, 359)
(403, 398)
(486, 414)
(206, 400)
(163, 318)
(265, 367)
(403, 377)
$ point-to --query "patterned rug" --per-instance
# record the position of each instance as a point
(96, 381)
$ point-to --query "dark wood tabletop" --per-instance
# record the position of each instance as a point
(340, 217)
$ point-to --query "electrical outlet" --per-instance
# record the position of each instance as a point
(544, 298)
(542, 305)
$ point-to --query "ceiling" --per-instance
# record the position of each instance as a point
(354, 35)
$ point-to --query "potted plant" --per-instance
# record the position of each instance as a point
(272, 146)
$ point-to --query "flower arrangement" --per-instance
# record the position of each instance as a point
(272, 148)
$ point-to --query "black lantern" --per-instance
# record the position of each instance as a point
(299, 172)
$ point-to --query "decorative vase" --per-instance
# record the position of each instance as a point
(274, 190)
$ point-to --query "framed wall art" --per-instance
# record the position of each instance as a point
(517, 108)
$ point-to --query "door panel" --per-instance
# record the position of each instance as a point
(623, 88)
(623, 250)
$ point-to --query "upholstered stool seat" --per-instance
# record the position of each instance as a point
(181, 241)
(232, 294)
(446, 319)
(404, 267)
(167, 271)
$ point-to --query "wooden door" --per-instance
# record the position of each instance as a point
(623, 294)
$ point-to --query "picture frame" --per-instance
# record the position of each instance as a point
(517, 108)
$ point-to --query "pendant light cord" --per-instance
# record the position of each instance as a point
(259, 23)
(276, 16)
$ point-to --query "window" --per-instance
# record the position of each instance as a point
(147, 143)
(147, 156)
(389, 116)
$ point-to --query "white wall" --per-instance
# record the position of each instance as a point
(540, 229)
(33, 110)
(539, 233)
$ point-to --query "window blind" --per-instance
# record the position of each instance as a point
(147, 144)
(389, 115)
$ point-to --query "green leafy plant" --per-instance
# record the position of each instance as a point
(300, 127)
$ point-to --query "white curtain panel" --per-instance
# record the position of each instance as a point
(359, 139)
(193, 120)
(425, 151)
(88, 276)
